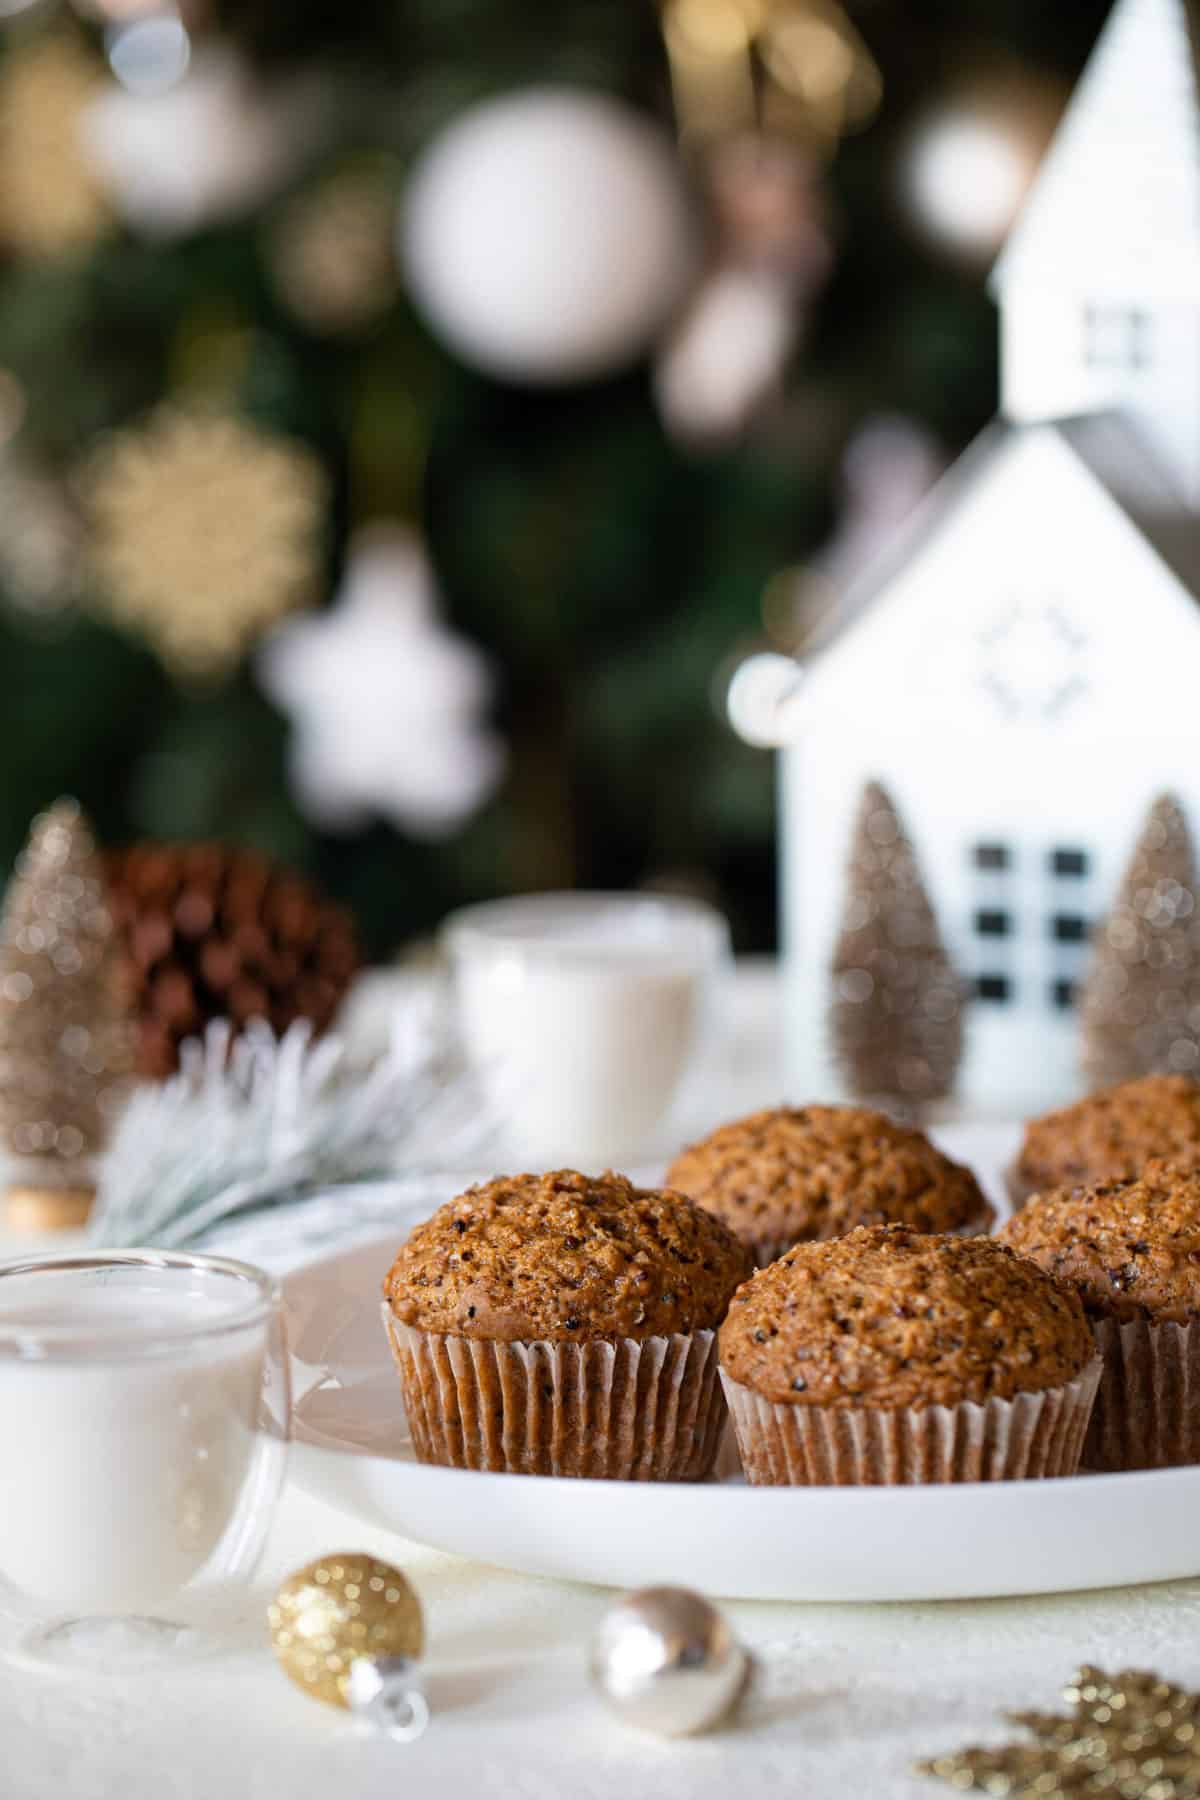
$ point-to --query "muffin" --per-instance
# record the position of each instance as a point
(798, 1173)
(1131, 1251)
(564, 1325)
(891, 1355)
(1110, 1136)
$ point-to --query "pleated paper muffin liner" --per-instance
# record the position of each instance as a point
(1147, 1413)
(1031, 1435)
(631, 1410)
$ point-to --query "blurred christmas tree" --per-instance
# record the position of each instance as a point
(278, 270)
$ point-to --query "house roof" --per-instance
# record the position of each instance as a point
(1109, 446)
(1115, 206)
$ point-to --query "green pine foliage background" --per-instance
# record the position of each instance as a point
(609, 574)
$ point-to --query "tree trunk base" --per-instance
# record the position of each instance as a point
(33, 1211)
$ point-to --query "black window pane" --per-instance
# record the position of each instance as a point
(992, 856)
(1069, 862)
(1068, 928)
(992, 922)
(1062, 994)
(993, 987)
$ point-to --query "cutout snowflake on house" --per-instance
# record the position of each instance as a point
(1020, 667)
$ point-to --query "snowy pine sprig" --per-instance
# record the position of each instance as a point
(256, 1122)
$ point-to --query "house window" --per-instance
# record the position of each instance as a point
(1070, 863)
(996, 988)
(1115, 337)
(993, 921)
(1068, 928)
(992, 856)
(1062, 994)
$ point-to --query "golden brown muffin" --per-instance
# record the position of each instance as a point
(1111, 1135)
(1130, 1249)
(566, 1256)
(797, 1173)
(889, 1317)
(564, 1325)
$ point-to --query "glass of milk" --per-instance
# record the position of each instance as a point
(585, 1015)
(144, 1411)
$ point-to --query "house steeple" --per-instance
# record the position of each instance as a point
(1099, 284)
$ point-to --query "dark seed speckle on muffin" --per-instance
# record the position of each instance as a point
(1112, 1134)
(889, 1317)
(566, 1256)
(797, 1173)
(1130, 1248)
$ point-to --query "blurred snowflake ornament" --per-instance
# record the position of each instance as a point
(386, 703)
(209, 147)
(331, 255)
(51, 201)
(204, 530)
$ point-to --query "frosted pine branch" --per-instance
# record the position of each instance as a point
(260, 1121)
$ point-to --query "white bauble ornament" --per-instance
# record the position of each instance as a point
(547, 235)
(666, 1661)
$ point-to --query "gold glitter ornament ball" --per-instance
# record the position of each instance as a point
(327, 1616)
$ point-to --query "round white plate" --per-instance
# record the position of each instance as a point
(929, 1543)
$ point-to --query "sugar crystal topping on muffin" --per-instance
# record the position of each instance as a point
(567, 1257)
(1131, 1248)
(890, 1317)
(801, 1172)
(1113, 1133)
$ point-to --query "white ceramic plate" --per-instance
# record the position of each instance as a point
(932, 1543)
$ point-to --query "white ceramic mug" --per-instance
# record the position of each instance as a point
(585, 1014)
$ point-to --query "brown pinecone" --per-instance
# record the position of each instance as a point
(218, 932)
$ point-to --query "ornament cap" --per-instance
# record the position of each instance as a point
(388, 1693)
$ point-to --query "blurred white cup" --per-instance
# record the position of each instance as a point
(585, 1015)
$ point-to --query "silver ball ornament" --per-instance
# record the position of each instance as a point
(666, 1661)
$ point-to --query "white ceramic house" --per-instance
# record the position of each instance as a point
(1023, 669)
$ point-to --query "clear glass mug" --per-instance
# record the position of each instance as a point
(144, 1421)
(586, 1015)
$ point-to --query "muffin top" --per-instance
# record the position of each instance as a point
(1131, 1249)
(567, 1257)
(801, 1172)
(1114, 1133)
(891, 1317)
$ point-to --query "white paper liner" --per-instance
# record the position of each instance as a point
(648, 1410)
(1031, 1435)
(1147, 1413)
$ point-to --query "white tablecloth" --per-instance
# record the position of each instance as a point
(847, 1698)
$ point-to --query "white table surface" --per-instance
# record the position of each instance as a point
(847, 1698)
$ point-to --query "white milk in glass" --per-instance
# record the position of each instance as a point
(583, 1014)
(120, 1474)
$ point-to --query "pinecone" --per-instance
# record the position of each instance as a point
(217, 932)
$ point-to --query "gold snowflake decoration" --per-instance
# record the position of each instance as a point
(51, 202)
(1130, 1735)
(204, 531)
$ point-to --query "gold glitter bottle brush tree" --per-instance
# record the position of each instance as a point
(66, 1027)
(253, 1124)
